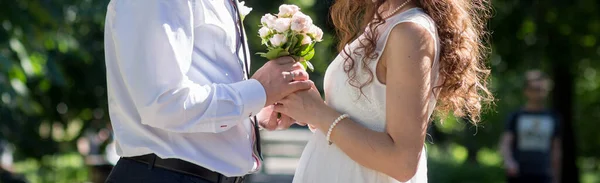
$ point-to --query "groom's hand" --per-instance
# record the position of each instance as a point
(268, 120)
(282, 77)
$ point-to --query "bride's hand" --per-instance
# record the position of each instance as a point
(267, 119)
(303, 105)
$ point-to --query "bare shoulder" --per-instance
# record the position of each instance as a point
(412, 37)
(409, 45)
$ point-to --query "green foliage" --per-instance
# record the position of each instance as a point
(52, 83)
(52, 78)
(64, 168)
(446, 164)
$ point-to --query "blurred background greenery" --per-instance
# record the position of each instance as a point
(52, 83)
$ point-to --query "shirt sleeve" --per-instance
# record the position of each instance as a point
(153, 42)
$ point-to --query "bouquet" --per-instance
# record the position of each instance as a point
(290, 33)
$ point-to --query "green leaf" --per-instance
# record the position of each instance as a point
(309, 65)
(309, 55)
(274, 53)
(307, 50)
(283, 53)
(304, 65)
(301, 50)
(262, 54)
(300, 37)
(291, 44)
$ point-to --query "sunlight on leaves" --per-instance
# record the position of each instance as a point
(73, 129)
(38, 61)
(19, 87)
(18, 48)
(489, 157)
(459, 152)
(58, 132)
(44, 129)
(588, 41)
(450, 125)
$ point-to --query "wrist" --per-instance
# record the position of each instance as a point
(326, 118)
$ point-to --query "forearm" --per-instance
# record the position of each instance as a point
(372, 149)
(194, 108)
(556, 170)
(506, 149)
(556, 163)
(507, 155)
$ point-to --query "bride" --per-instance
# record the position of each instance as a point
(400, 62)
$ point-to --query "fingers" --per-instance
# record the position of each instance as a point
(284, 60)
(300, 75)
(280, 109)
(272, 123)
(301, 123)
(288, 76)
(300, 85)
(285, 122)
(297, 75)
(312, 128)
(291, 66)
(297, 66)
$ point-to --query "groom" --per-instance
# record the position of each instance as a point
(179, 92)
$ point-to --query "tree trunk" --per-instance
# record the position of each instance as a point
(563, 103)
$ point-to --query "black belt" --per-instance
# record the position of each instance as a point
(185, 167)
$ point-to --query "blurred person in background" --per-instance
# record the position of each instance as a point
(6, 161)
(531, 142)
(95, 146)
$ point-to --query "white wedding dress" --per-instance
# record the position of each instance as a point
(324, 163)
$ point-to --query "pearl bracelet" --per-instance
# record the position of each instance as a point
(342, 117)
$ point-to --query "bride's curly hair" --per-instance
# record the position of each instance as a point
(461, 26)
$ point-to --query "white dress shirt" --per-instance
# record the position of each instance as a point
(176, 86)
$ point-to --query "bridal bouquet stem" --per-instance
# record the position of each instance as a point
(289, 33)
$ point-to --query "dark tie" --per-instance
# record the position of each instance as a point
(241, 41)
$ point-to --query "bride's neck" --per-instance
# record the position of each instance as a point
(391, 5)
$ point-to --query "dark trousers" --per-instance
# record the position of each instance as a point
(529, 179)
(130, 171)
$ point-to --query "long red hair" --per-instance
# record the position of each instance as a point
(461, 26)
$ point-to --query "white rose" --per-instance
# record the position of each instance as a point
(286, 10)
(278, 40)
(282, 24)
(316, 33)
(264, 32)
(244, 10)
(306, 40)
(301, 23)
(268, 20)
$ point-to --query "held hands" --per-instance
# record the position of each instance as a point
(305, 106)
(280, 78)
(268, 120)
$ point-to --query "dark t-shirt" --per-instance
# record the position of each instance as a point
(534, 133)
